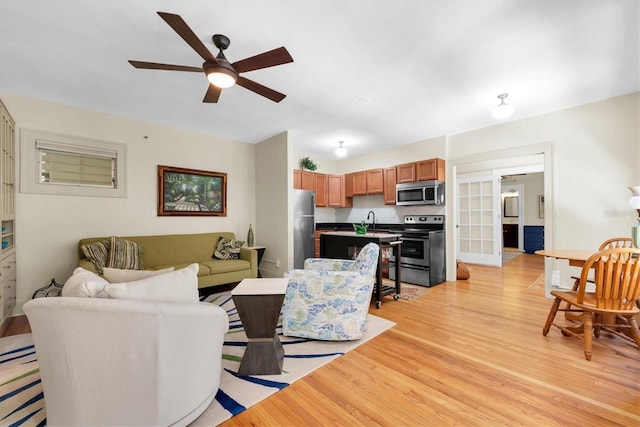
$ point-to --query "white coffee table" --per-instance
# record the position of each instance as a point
(259, 302)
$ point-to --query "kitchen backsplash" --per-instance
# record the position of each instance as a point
(385, 214)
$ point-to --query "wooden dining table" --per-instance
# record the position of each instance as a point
(576, 257)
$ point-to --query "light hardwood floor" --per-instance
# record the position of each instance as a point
(467, 353)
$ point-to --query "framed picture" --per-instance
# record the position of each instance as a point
(541, 206)
(191, 192)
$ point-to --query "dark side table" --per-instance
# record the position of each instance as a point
(260, 249)
(259, 302)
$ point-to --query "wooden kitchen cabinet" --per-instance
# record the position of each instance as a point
(321, 190)
(375, 181)
(336, 192)
(389, 185)
(297, 180)
(308, 180)
(405, 173)
(348, 185)
(427, 170)
(360, 183)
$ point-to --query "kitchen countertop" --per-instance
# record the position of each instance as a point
(368, 235)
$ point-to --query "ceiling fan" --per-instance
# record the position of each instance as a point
(220, 73)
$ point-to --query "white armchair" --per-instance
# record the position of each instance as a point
(329, 299)
(111, 362)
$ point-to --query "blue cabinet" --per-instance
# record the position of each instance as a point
(533, 238)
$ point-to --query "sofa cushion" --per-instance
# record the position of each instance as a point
(97, 253)
(177, 286)
(228, 248)
(84, 283)
(226, 265)
(125, 254)
(119, 275)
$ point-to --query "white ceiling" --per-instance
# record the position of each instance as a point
(372, 73)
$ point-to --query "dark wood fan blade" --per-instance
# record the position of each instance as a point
(156, 66)
(212, 95)
(183, 30)
(271, 58)
(260, 90)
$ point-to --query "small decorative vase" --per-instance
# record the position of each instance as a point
(250, 236)
(361, 228)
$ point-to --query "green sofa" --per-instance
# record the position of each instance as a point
(180, 250)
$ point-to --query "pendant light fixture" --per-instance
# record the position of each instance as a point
(341, 151)
(503, 110)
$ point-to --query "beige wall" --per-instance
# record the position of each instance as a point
(49, 226)
(274, 182)
(595, 149)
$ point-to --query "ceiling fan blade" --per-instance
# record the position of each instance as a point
(183, 30)
(156, 66)
(271, 58)
(260, 90)
(212, 95)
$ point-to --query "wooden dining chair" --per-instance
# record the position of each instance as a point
(611, 307)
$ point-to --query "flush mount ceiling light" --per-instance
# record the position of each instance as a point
(341, 151)
(503, 110)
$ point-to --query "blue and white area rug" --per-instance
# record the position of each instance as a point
(22, 401)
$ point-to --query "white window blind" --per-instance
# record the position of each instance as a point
(69, 165)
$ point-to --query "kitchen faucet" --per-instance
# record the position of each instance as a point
(371, 213)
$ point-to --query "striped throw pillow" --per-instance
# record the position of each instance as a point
(97, 253)
(125, 254)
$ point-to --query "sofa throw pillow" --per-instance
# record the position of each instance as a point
(97, 253)
(228, 249)
(119, 275)
(176, 286)
(125, 254)
(84, 283)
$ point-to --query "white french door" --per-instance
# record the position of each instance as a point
(478, 226)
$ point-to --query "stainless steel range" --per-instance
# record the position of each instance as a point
(422, 256)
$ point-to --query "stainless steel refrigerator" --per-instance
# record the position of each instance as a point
(304, 225)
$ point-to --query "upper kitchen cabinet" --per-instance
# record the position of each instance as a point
(297, 179)
(389, 185)
(359, 183)
(405, 173)
(430, 169)
(337, 192)
(308, 180)
(375, 181)
(321, 190)
(348, 185)
(424, 170)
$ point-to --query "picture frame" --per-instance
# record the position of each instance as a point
(541, 206)
(191, 192)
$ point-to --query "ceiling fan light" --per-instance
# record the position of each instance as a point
(503, 110)
(221, 79)
(341, 151)
(220, 76)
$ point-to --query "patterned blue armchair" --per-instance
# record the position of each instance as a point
(330, 298)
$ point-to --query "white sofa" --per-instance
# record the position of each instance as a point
(111, 362)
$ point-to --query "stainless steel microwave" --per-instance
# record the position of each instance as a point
(420, 193)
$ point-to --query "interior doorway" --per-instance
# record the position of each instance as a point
(512, 199)
(518, 162)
